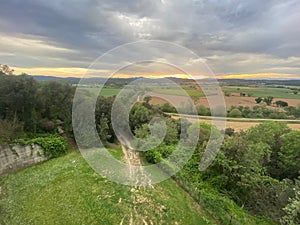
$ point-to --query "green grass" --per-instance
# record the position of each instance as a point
(109, 91)
(263, 91)
(175, 91)
(106, 92)
(67, 191)
(117, 153)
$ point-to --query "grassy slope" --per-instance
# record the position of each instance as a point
(67, 191)
(63, 192)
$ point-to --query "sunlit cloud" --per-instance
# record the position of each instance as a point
(245, 39)
(28, 44)
(57, 72)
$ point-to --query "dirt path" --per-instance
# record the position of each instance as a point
(136, 170)
(142, 184)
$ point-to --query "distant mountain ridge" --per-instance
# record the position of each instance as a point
(75, 80)
(47, 78)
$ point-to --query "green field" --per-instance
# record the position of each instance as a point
(170, 91)
(174, 91)
(106, 92)
(263, 91)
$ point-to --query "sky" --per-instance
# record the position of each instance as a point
(234, 38)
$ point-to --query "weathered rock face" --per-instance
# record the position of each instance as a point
(15, 157)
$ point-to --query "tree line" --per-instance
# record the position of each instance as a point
(27, 106)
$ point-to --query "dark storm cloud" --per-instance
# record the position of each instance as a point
(221, 31)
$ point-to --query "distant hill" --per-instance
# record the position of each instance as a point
(48, 78)
(234, 82)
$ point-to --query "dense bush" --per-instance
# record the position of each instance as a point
(235, 113)
(292, 209)
(289, 155)
(203, 111)
(53, 146)
(166, 107)
(251, 168)
(159, 153)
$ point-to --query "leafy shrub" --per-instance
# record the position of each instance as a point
(268, 100)
(53, 146)
(292, 210)
(235, 113)
(229, 131)
(166, 107)
(258, 100)
(203, 111)
(280, 103)
(227, 93)
(159, 153)
(289, 155)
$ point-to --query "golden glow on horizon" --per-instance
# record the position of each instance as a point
(259, 75)
(56, 72)
(81, 72)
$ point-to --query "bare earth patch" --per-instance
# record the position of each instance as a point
(233, 100)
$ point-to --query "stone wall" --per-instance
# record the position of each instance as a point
(14, 157)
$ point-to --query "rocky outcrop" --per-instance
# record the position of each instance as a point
(14, 157)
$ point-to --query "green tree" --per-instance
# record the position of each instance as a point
(172, 131)
(147, 99)
(55, 101)
(258, 100)
(203, 111)
(269, 133)
(166, 107)
(281, 103)
(18, 99)
(268, 100)
(138, 116)
(103, 117)
(289, 155)
(235, 113)
(142, 131)
(103, 129)
(292, 210)
(238, 169)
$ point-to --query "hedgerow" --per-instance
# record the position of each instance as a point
(53, 146)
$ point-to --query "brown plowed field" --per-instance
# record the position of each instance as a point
(229, 101)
